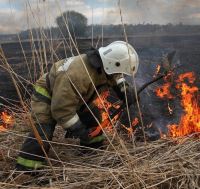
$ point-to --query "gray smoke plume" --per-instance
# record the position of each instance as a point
(159, 11)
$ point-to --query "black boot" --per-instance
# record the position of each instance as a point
(26, 170)
(92, 145)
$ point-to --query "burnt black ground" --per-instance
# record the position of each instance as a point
(150, 49)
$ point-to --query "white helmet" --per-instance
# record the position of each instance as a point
(119, 57)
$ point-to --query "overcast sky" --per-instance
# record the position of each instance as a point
(17, 15)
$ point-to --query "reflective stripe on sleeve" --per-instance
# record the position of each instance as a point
(42, 91)
(33, 164)
(66, 64)
(71, 122)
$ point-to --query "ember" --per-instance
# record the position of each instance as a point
(132, 128)
(164, 91)
(6, 121)
(135, 122)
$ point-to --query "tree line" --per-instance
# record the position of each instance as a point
(76, 24)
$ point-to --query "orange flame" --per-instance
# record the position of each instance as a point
(135, 122)
(162, 135)
(104, 103)
(190, 120)
(98, 101)
(164, 91)
(132, 128)
(7, 121)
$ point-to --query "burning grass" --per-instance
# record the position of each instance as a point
(123, 163)
(170, 162)
(189, 94)
(166, 163)
(190, 121)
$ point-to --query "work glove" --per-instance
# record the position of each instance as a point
(93, 142)
(79, 130)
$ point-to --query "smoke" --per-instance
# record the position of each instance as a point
(21, 15)
(158, 12)
(43, 13)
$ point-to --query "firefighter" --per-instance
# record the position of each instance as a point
(59, 97)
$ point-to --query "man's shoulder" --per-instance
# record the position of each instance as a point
(70, 63)
(78, 66)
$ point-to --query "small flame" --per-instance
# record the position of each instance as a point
(7, 121)
(2, 128)
(164, 91)
(157, 70)
(132, 128)
(98, 101)
(135, 122)
(169, 76)
(162, 135)
(102, 103)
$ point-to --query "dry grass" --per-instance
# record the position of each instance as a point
(165, 163)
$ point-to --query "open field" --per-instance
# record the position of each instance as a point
(165, 163)
(150, 49)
